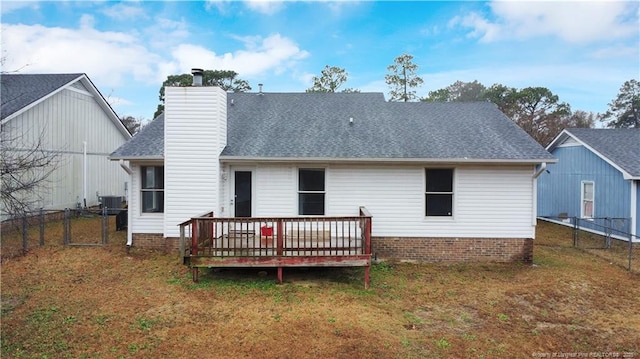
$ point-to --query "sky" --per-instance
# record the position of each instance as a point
(583, 51)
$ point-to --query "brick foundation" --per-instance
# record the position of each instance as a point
(453, 249)
(155, 241)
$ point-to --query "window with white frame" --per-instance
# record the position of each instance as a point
(311, 191)
(152, 189)
(587, 210)
(439, 192)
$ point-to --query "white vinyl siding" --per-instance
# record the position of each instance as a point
(66, 120)
(141, 222)
(489, 202)
(275, 193)
(195, 134)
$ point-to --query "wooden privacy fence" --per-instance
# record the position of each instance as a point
(207, 241)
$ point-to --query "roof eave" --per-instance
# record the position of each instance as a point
(388, 160)
(136, 158)
(102, 102)
(40, 100)
(626, 175)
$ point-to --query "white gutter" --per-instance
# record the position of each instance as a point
(240, 159)
(534, 194)
(543, 167)
(125, 167)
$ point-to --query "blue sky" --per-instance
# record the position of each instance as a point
(581, 51)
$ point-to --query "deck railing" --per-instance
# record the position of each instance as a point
(208, 241)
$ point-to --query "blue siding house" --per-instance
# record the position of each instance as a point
(597, 176)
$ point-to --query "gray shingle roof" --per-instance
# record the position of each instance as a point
(317, 126)
(21, 90)
(147, 144)
(620, 145)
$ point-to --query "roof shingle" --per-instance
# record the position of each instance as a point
(319, 126)
(620, 145)
(21, 90)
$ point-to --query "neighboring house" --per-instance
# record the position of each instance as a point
(71, 119)
(443, 181)
(597, 176)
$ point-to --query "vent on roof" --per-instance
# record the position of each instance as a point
(197, 76)
(260, 89)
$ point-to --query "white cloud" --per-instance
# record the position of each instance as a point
(107, 57)
(273, 53)
(125, 11)
(117, 102)
(267, 7)
(9, 6)
(165, 33)
(220, 5)
(574, 22)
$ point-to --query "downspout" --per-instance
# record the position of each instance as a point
(125, 167)
(542, 168)
(84, 173)
(129, 214)
(634, 212)
(536, 174)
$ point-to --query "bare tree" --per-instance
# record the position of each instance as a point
(25, 166)
(133, 124)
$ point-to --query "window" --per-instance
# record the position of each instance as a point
(439, 192)
(152, 189)
(311, 191)
(587, 200)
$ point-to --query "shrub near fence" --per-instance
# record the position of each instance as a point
(605, 237)
(67, 227)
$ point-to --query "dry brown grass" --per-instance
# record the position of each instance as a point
(102, 302)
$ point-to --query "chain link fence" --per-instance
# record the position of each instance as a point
(69, 227)
(607, 237)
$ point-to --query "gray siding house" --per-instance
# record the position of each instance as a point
(442, 181)
(69, 117)
(597, 177)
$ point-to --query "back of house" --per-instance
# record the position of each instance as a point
(443, 181)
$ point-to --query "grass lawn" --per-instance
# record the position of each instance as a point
(105, 302)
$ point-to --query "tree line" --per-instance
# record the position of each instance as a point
(537, 110)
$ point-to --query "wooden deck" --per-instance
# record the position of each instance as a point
(207, 242)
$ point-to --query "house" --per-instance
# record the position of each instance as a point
(596, 179)
(69, 118)
(442, 181)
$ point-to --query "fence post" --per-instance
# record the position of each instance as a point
(607, 232)
(105, 225)
(41, 227)
(575, 231)
(66, 227)
(25, 236)
(630, 250)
